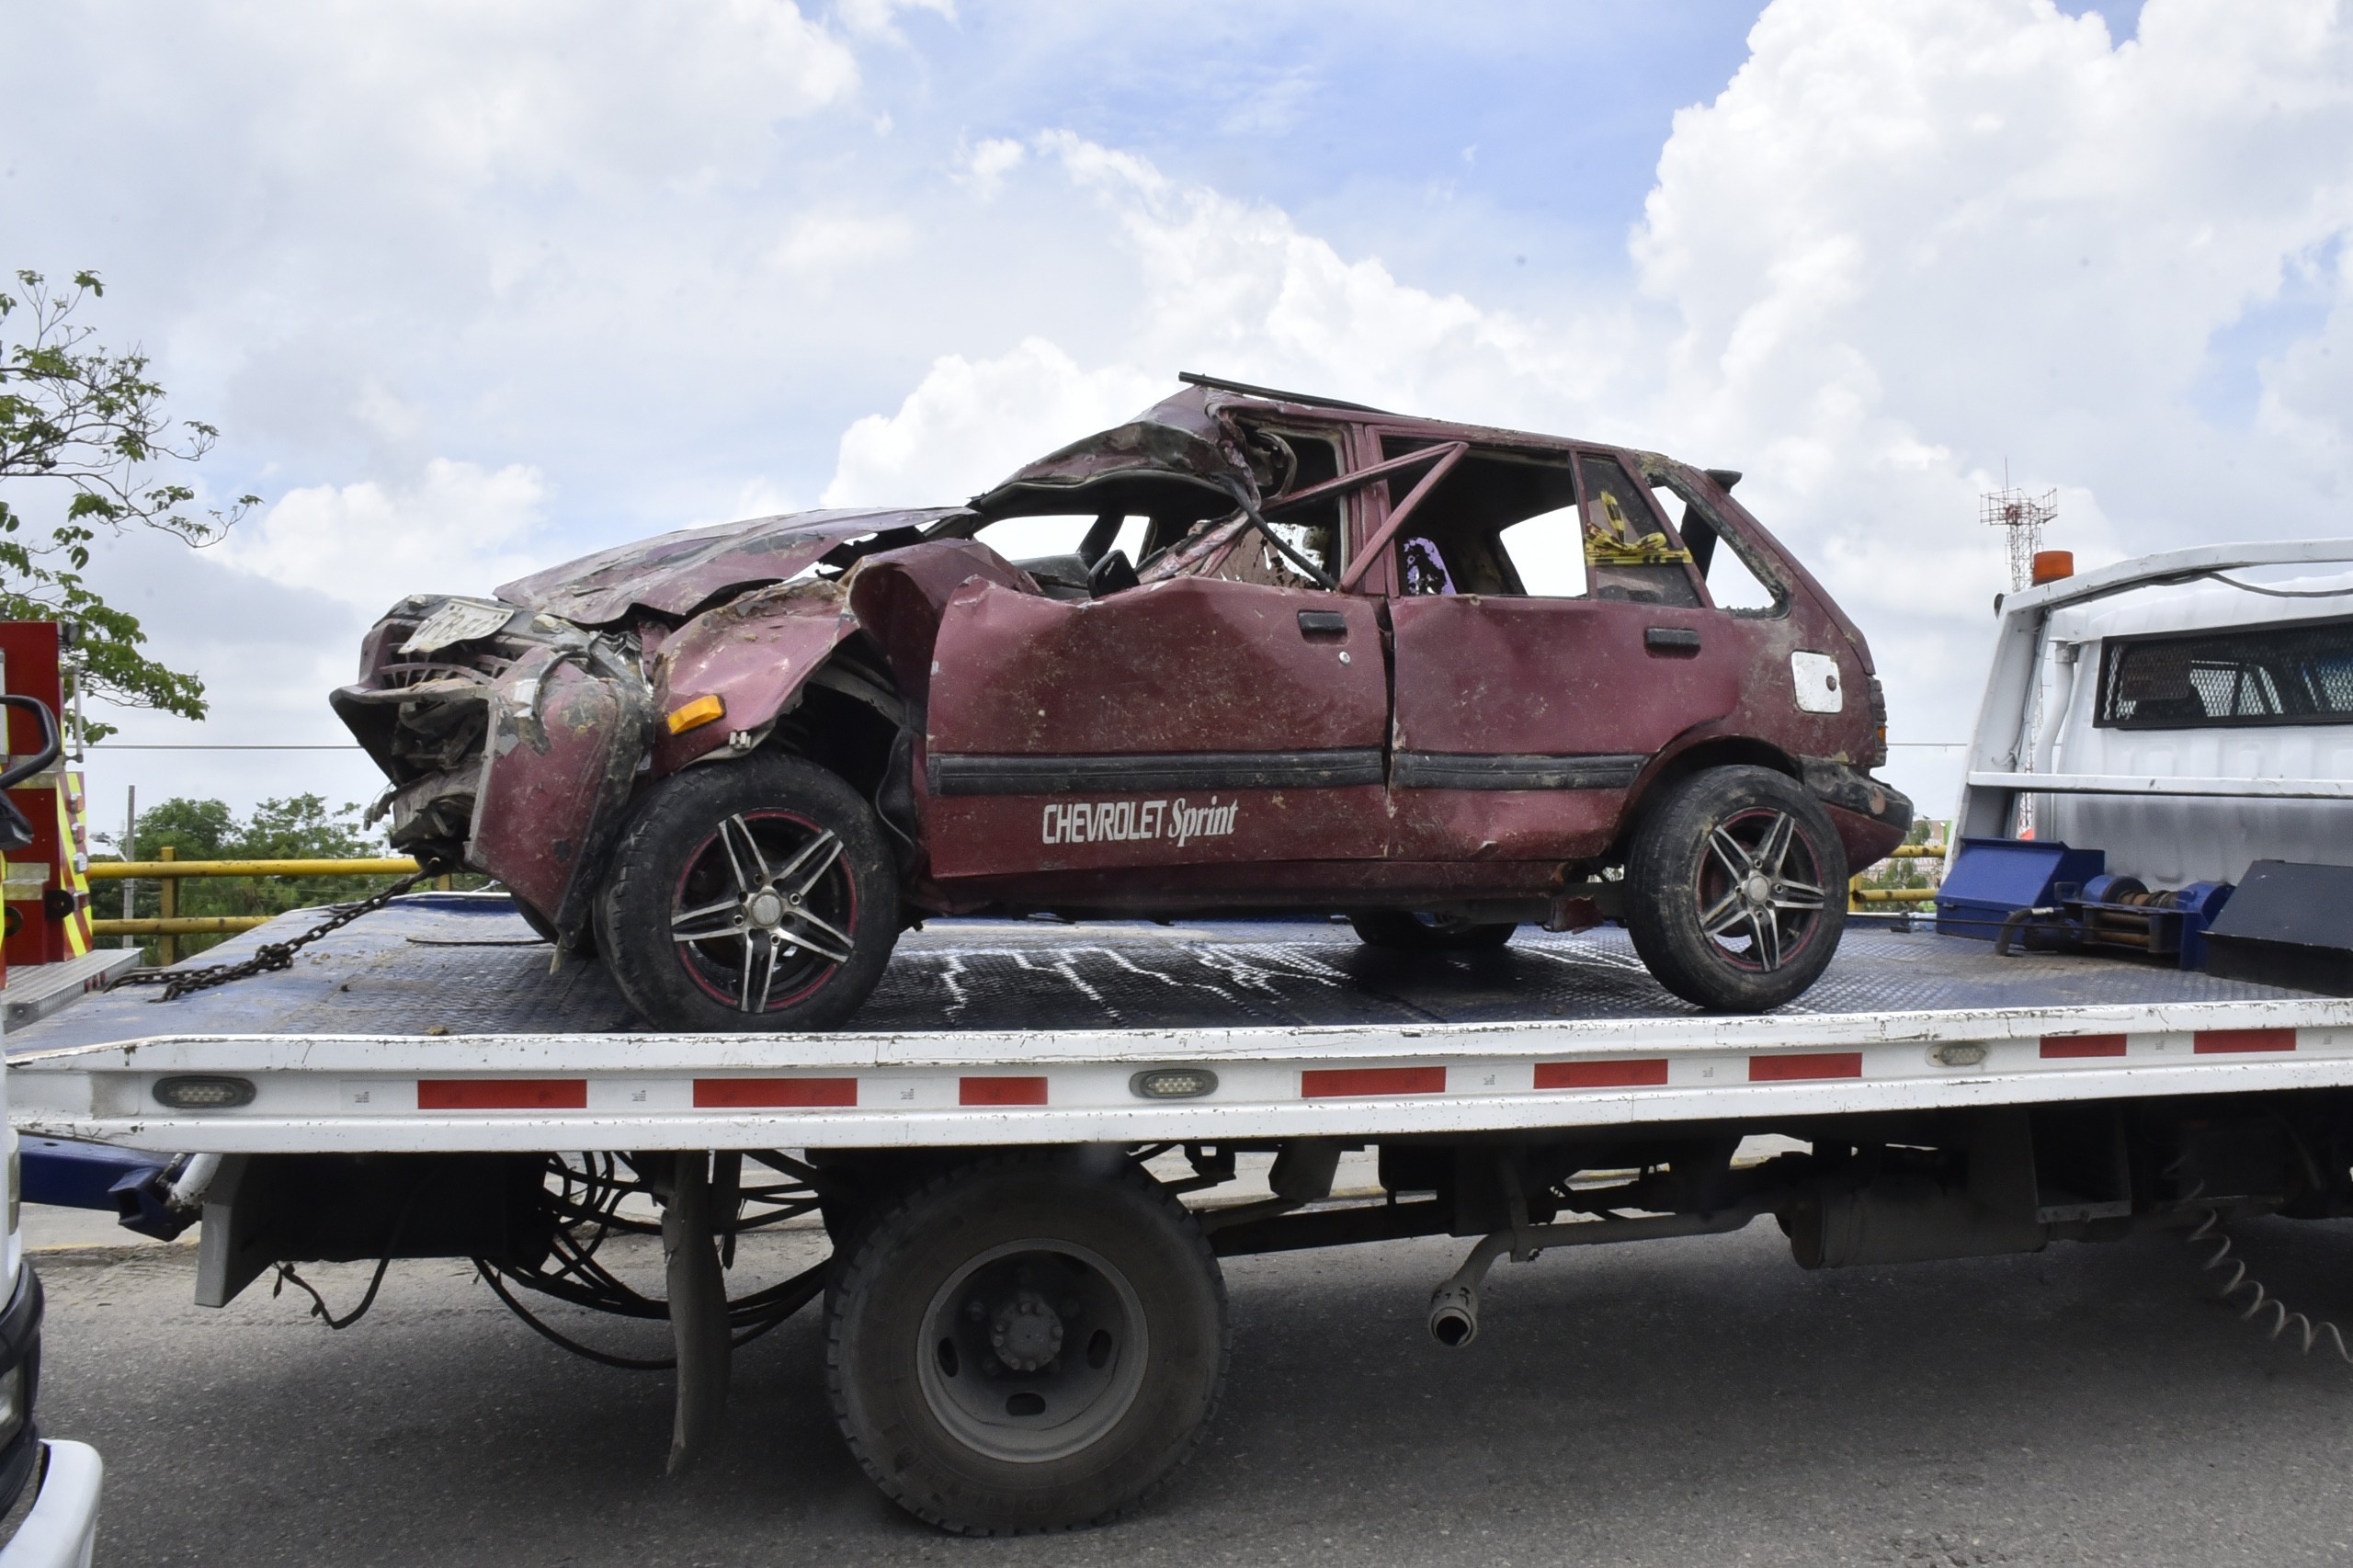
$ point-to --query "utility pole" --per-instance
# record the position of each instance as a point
(130, 852)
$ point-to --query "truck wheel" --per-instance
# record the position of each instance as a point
(1027, 1343)
(1736, 890)
(1408, 932)
(750, 895)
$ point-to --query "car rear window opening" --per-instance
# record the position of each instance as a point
(2291, 673)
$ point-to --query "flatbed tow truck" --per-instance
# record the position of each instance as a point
(1019, 1150)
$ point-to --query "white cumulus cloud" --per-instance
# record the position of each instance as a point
(457, 528)
(969, 424)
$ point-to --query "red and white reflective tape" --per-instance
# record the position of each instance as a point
(1260, 1082)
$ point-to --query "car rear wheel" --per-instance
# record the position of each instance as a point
(752, 895)
(1406, 931)
(1027, 1342)
(1736, 890)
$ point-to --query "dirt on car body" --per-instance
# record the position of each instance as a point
(1249, 652)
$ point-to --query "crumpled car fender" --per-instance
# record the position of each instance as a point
(566, 734)
(758, 653)
(754, 653)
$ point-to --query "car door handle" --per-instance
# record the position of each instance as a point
(1323, 623)
(1671, 639)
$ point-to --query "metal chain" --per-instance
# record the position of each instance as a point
(273, 956)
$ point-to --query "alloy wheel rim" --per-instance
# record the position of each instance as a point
(763, 911)
(1759, 889)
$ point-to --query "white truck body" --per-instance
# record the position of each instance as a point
(2184, 800)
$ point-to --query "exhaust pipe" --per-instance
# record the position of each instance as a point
(1454, 1305)
(1454, 1315)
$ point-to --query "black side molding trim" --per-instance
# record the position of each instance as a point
(969, 774)
(1454, 770)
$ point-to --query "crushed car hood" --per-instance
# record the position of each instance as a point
(1131, 467)
(679, 574)
(1180, 443)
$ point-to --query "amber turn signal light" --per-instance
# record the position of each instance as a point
(2049, 565)
(694, 715)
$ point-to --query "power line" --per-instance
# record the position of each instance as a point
(203, 745)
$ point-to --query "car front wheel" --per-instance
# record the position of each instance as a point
(752, 895)
(1736, 890)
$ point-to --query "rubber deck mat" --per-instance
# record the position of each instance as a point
(465, 963)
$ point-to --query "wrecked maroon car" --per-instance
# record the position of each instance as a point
(1251, 651)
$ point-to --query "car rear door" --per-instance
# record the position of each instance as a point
(1550, 651)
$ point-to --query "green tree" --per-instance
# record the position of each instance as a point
(195, 829)
(91, 422)
(298, 827)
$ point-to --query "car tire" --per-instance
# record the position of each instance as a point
(1736, 890)
(785, 869)
(1027, 1342)
(1403, 930)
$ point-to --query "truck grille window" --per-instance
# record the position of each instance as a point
(2292, 673)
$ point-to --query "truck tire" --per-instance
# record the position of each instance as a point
(1405, 931)
(752, 895)
(1027, 1342)
(1736, 890)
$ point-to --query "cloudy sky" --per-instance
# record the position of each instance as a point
(477, 286)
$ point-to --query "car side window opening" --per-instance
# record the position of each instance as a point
(1297, 460)
(1732, 583)
(1548, 551)
(1455, 541)
(1628, 549)
(1231, 549)
(1030, 539)
(1060, 550)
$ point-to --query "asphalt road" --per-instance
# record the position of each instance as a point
(1680, 1403)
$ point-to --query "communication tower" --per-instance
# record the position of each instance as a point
(2023, 516)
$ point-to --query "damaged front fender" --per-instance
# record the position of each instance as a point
(566, 734)
(512, 749)
(753, 653)
(757, 654)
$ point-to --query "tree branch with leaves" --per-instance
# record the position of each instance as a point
(91, 422)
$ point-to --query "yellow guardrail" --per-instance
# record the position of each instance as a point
(120, 870)
(171, 868)
(179, 925)
(1859, 895)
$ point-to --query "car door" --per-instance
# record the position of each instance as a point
(1190, 721)
(1549, 639)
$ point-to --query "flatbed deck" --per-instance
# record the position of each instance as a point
(438, 1024)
